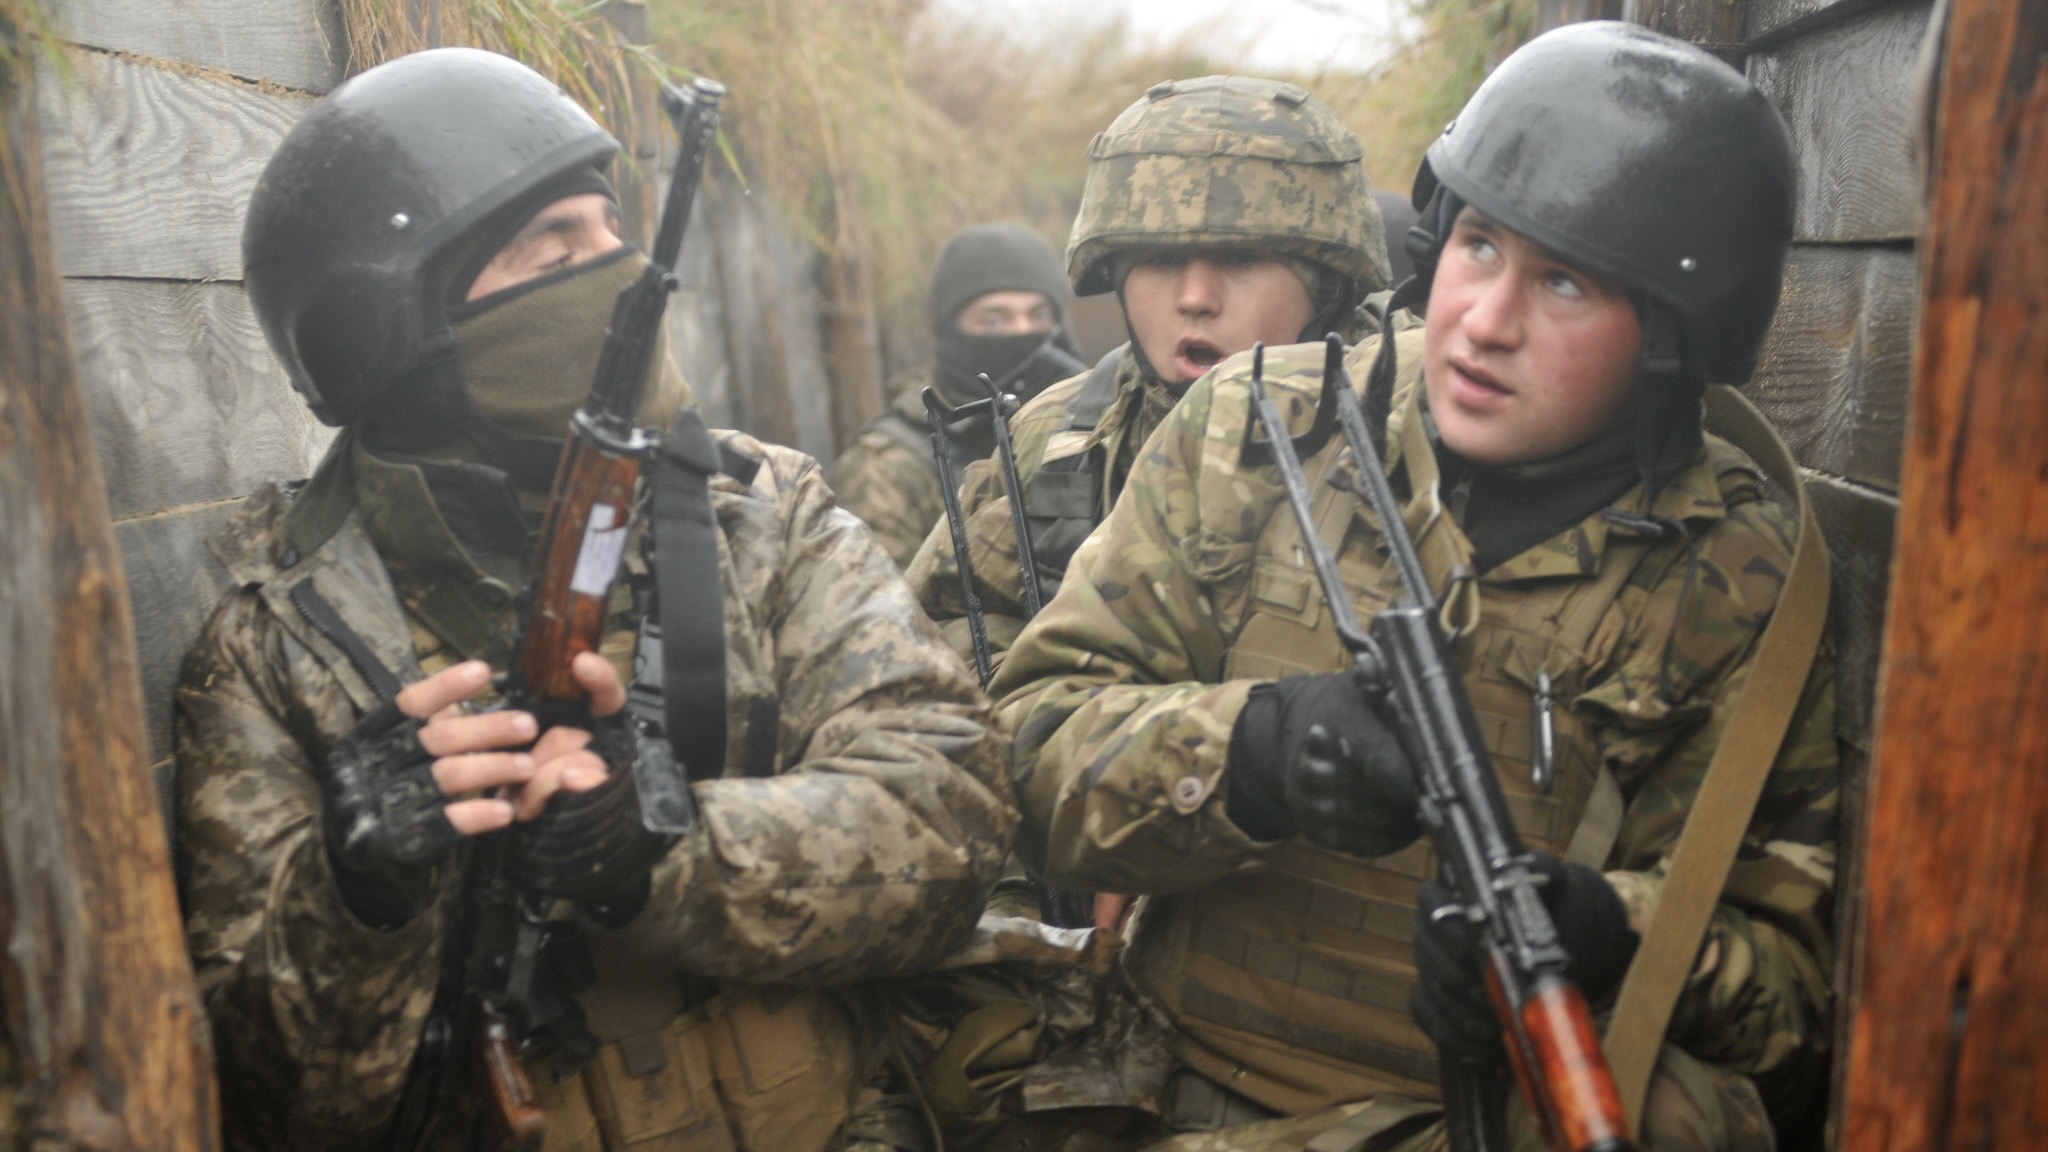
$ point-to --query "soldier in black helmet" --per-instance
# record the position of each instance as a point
(433, 254)
(1603, 234)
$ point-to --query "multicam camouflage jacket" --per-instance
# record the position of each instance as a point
(887, 478)
(864, 851)
(1123, 711)
(1139, 408)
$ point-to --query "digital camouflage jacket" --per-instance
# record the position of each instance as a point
(887, 478)
(864, 852)
(1122, 711)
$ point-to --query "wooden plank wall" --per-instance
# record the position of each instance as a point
(1835, 371)
(155, 131)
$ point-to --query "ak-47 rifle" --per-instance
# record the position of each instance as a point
(482, 1008)
(1063, 907)
(1406, 661)
(940, 418)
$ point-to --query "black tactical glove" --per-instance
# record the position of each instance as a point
(1450, 1001)
(384, 818)
(1311, 756)
(594, 847)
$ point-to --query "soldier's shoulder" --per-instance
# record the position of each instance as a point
(251, 542)
(752, 467)
(1049, 406)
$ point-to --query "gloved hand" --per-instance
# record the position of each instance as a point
(1450, 1001)
(1311, 756)
(593, 846)
(384, 818)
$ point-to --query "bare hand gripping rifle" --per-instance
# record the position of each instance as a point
(489, 981)
(1406, 660)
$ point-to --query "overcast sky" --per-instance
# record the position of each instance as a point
(1278, 35)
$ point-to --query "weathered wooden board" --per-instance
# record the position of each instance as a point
(1715, 25)
(1836, 367)
(1768, 22)
(188, 404)
(150, 168)
(1858, 522)
(294, 43)
(1557, 13)
(173, 584)
(1845, 93)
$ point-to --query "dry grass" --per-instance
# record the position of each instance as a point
(878, 127)
(927, 121)
(570, 43)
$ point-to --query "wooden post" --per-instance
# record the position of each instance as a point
(101, 1015)
(853, 342)
(1715, 25)
(1947, 1043)
(637, 172)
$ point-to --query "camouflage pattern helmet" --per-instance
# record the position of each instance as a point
(1228, 160)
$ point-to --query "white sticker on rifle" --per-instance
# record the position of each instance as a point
(598, 560)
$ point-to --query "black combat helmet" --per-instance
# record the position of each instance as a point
(1638, 157)
(386, 199)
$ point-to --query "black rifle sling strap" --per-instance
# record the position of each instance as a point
(690, 596)
(1735, 777)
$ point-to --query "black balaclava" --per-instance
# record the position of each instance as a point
(998, 258)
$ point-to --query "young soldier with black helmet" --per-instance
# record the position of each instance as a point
(1605, 229)
(433, 255)
(1222, 211)
(1000, 306)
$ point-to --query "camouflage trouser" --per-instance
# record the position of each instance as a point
(1692, 1107)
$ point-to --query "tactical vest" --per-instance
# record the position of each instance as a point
(1290, 984)
(1063, 499)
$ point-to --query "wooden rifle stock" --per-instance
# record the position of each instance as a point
(1406, 658)
(515, 1115)
(583, 537)
(584, 533)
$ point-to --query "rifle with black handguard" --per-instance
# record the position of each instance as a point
(1405, 660)
(1063, 907)
(489, 1002)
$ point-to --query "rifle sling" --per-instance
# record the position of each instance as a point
(1735, 777)
(690, 596)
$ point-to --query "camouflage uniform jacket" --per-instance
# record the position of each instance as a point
(887, 478)
(1123, 717)
(866, 852)
(1138, 409)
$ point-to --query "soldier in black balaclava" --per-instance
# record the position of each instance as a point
(999, 306)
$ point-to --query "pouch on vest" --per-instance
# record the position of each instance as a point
(785, 1066)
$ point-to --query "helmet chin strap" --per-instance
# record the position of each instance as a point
(1668, 415)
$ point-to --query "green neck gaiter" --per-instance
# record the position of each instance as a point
(529, 355)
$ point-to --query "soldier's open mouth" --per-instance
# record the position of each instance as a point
(1200, 354)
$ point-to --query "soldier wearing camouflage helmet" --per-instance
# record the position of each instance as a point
(1605, 233)
(433, 253)
(1222, 211)
(1000, 307)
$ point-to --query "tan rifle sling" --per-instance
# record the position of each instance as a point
(1735, 777)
